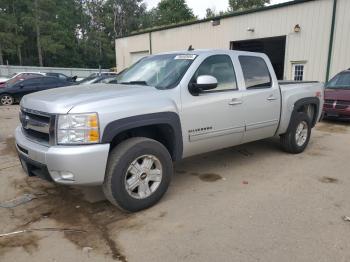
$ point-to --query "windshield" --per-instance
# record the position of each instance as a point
(341, 81)
(160, 71)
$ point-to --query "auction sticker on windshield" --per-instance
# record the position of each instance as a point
(185, 57)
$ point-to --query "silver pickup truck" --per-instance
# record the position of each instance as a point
(126, 136)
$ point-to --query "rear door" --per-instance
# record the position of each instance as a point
(261, 98)
(49, 82)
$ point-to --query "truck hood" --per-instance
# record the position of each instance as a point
(337, 94)
(62, 100)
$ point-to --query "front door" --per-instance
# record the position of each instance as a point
(27, 86)
(213, 119)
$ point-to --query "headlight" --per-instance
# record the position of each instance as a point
(78, 129)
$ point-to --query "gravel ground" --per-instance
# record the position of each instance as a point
(247, 203)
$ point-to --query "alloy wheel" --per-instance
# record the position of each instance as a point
(143, 176)
(6, 100)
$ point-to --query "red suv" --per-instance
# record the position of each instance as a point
(337, 96)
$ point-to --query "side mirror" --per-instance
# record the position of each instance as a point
(203, 83)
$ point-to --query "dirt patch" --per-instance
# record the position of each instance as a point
(210, 177)
(29, 242)
(180, 171)
(163, 214)
(327, 179)
(332, 128)
(66, 206)
(10, 147)
(244, 152)
(314, 153)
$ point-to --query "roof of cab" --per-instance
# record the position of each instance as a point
(208, 51)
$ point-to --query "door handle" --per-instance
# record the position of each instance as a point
(272, 98)
(235, 101)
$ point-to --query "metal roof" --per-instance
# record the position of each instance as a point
(265, 8)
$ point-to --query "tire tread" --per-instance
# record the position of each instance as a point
(287, 139)
(113, 160)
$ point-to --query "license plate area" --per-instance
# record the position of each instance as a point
(332, 114)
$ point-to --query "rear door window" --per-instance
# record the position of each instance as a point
(48, 82)
(31, 82)
(255, 71)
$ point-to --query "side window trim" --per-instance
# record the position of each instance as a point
(222, 90)
(257, 86)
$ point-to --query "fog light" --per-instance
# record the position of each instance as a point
(66, 175)
(62, 175)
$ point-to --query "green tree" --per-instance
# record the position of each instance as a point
(76, 33)
(124, 16)
(210, 13)
(10, 40)
(44, 21)
(173, 11)
(149, 18)
(238, 5)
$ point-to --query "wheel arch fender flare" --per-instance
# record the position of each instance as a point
(306, 101)
(172, 119)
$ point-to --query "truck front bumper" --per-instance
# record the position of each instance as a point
(69, 165)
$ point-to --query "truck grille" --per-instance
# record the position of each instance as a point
(38, 126)
(336, 104)
(342, 104)
(328, 103)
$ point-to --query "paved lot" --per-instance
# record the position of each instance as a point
(248, 203)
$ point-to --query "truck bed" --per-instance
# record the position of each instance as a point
(292, 91)
(291, 82)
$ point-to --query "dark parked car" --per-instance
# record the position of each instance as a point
(337, 96)
(62, 76)
(95, 79)
(20, 76)
(13, 92)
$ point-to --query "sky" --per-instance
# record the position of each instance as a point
(199, 6)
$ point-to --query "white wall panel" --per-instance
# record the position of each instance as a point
(310, 45)
(341, 44)
(124, 47)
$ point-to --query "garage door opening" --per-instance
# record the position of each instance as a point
(273, 47)
(136, 56)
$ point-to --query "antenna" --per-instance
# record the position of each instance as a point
(190, 48)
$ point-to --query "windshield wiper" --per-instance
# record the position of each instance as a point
(135, 83)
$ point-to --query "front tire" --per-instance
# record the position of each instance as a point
(6, 100)
(298, 136)
(138, 174)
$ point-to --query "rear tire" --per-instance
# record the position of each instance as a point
(6, 100)
(138, 174)
(297, 138)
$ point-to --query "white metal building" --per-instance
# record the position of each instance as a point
(305, 39)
